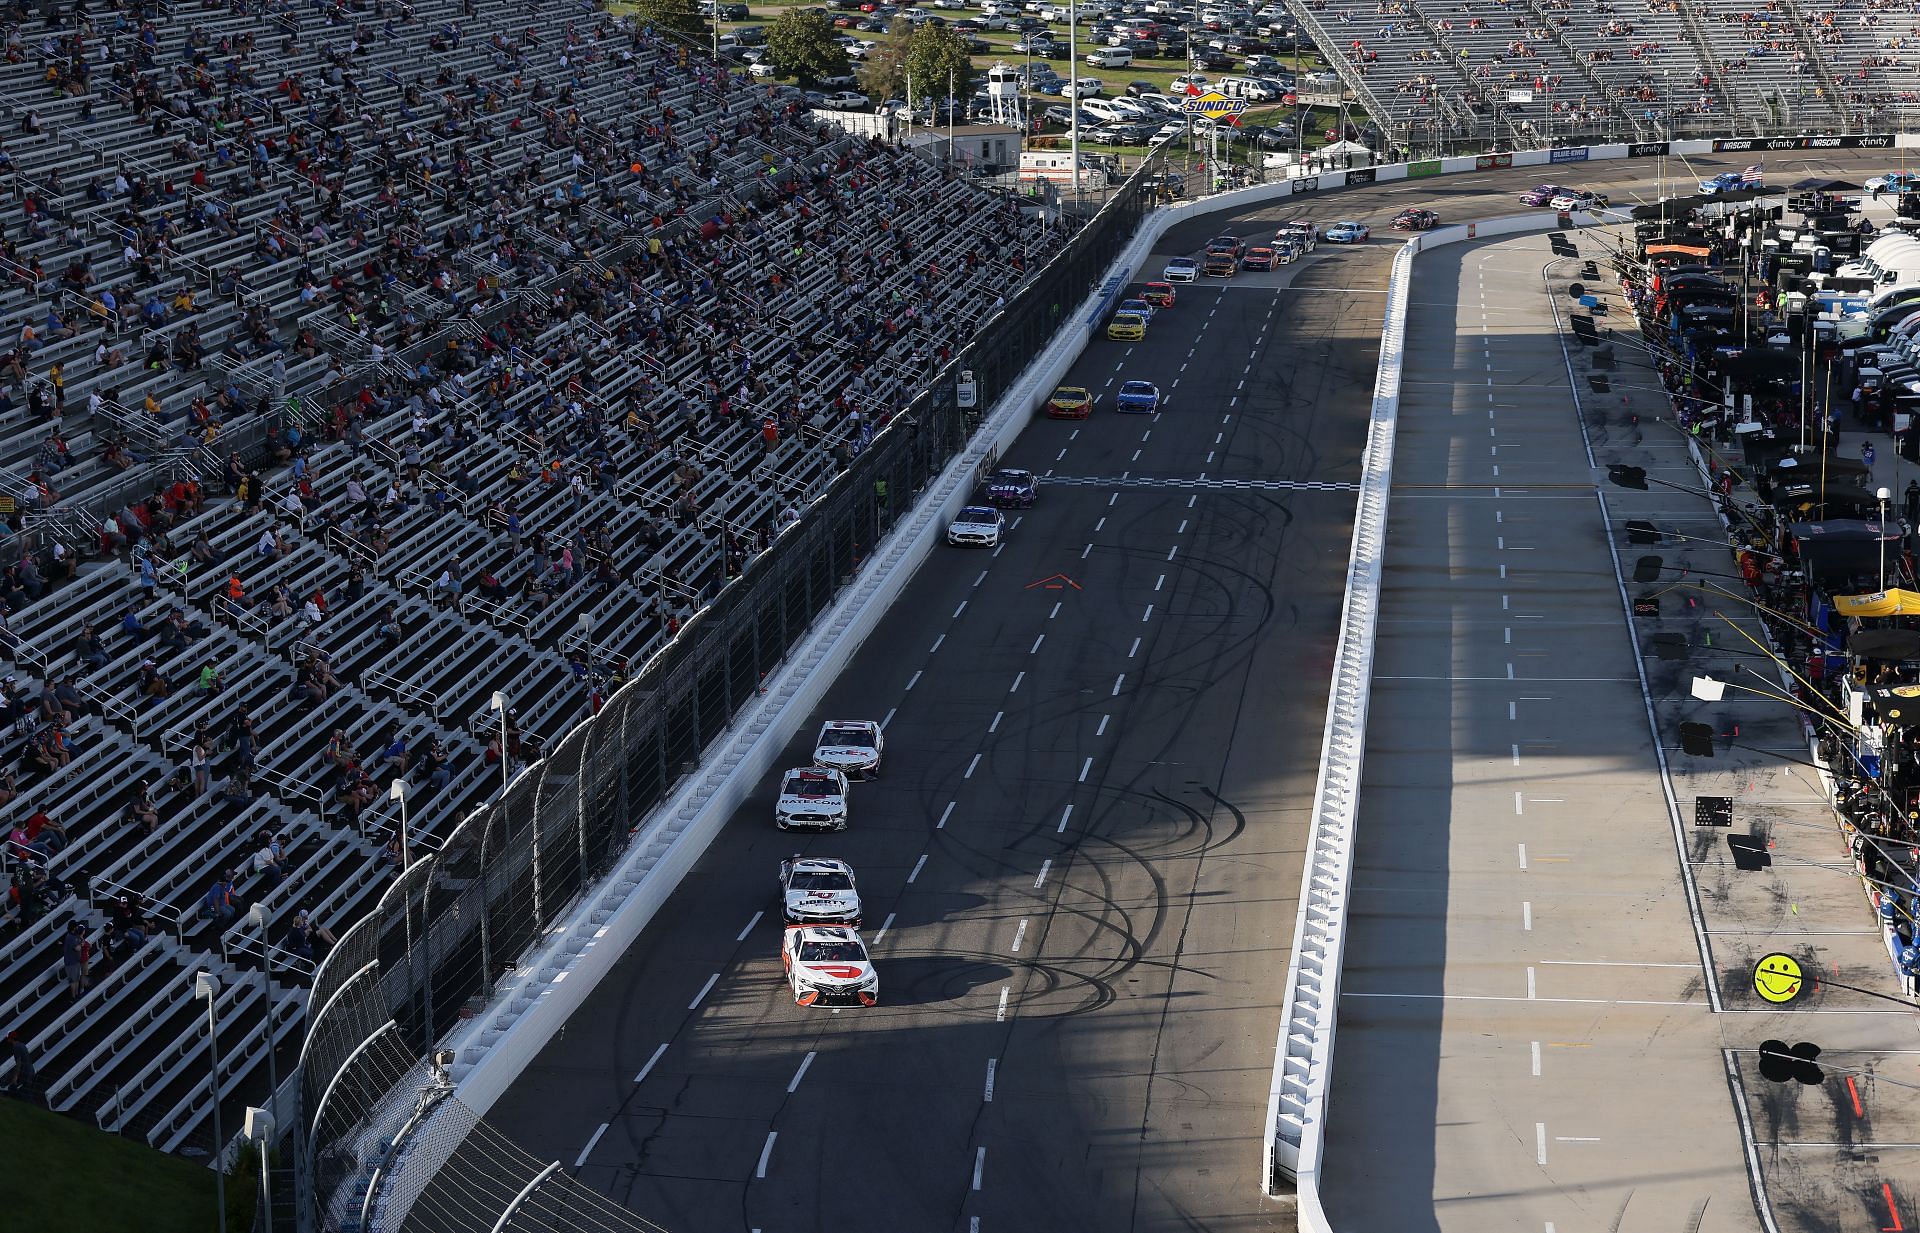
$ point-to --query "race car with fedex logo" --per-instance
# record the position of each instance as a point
(818, 890)
(812, 798)
(851, 746)
(828, 965)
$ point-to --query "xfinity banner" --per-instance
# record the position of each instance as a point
(1849, 141)
(1647, 149)
(1362, 175)
(1306, 184)
(1578, 155)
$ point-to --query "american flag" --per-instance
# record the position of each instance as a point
(1753, 174)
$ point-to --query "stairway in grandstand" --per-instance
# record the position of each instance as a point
(545, 217)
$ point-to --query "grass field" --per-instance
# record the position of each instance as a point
(64, 1176)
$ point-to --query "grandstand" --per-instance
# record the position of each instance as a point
(370, 359)
(1442, 71)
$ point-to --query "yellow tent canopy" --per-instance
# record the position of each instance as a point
(1894, 602)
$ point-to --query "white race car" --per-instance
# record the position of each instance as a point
(812, 798)
(818, 891)
(853, 746)
(1181, 270)
(979, 525)
(827, 965)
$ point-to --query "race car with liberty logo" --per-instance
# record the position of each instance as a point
(818, 890)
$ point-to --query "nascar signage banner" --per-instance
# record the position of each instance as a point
(1487, 162)
(1647, 149)
(1306, 184)
(1575, 155)
(1213, 105)
(1425, 167)
(1846, 141)
(1362, 175)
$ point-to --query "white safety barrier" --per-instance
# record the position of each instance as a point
(551, 982)
(1302, 1063)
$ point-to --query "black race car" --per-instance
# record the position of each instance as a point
(1414, 219)
(1009, 489)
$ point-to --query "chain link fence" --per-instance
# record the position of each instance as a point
(382, 1142)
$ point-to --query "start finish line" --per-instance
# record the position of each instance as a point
(1200, 482)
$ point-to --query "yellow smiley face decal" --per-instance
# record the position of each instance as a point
(1777, 978)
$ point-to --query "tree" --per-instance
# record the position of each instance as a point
(800, 44)
(937, 56)
(883, 74)
(682, 16)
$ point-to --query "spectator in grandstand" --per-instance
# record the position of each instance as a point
(21, 1080)
(140, 811)
(76, 957)
(199, 759)
(221, 904)
(268, 862)
(305, 937)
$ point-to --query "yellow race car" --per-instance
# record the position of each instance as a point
(1127, 327)
(1069, 402)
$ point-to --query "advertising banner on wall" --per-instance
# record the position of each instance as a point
(1425, 167)
(1360, 175)
(1647, 149)
(1843, 141)
(1576, 155)
(1487, 162)
(1306, 184)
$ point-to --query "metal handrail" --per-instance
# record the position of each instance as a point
(403, 690)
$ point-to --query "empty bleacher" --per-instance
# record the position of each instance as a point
(371, 358)
(1442, 68)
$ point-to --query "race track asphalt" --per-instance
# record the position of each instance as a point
(1080, 866)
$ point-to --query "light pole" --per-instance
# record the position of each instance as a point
(258, 915)
(398, 792)
(259, 1128)
(499, 704)
(206, 985)
(1880, 534)
(1073, 104)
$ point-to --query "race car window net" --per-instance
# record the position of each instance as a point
(848, 736)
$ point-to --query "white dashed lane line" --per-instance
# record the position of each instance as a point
(1041, 879)
(591, 1144)
(1064, 815)
(760, 1170)
(704, 991)
(742, 935)
(648, 1068)
(794, 1084)
(972, 767)
(938, 826)
(997, 717)
(1019, 935)
(1102, 729)
(922, 862)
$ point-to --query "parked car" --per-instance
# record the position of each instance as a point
(845, 100)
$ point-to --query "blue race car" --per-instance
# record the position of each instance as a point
(1138, 397)
(1725, 182)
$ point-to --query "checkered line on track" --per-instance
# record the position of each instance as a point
(1176, 481)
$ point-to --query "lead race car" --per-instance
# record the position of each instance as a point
(850, 746)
